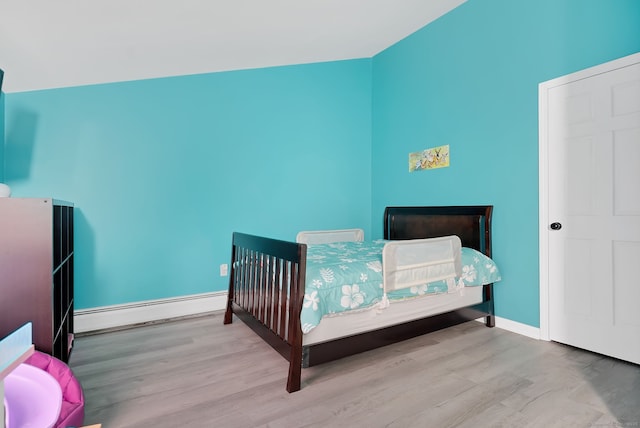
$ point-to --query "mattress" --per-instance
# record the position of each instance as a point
(348, 276)
(350, 323)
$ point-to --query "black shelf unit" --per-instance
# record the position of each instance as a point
(37, 271)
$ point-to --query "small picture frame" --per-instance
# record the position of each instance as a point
(435, 157)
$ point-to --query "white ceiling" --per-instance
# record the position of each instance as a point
(50, 44)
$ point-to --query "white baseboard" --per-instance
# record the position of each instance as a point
(516, 327)
(118, 316)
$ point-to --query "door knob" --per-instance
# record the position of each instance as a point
(556, 226)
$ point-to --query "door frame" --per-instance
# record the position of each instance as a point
(543, 173)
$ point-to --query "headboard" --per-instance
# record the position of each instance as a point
(471, 223)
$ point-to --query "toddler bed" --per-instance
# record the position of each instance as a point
(267, 287)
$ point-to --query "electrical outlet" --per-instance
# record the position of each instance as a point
(224, 269)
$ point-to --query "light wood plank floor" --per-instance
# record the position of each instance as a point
(199, 373)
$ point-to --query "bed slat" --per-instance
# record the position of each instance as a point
(266, 290)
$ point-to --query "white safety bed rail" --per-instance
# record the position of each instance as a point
(414, 262)
(330, 236)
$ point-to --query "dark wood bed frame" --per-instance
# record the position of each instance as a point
(266, 286)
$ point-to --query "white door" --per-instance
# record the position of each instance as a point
(592, 222)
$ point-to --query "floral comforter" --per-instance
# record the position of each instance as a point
(347, 276)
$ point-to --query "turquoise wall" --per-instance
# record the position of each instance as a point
(470, 80)
(163, 171)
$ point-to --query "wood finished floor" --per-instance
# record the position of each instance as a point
(199, 373)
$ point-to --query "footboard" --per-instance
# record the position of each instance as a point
(266, 291)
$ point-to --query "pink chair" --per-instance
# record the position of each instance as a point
(72, 411)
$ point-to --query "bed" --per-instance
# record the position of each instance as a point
(267, 289)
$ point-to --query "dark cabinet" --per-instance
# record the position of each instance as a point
(36, 271)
